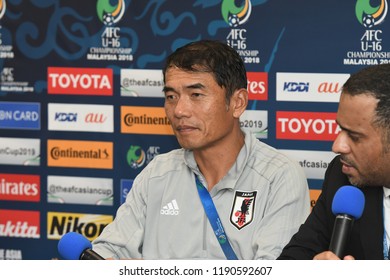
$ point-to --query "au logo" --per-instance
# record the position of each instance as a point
(368, 15)
(109, 14)
(234, 15)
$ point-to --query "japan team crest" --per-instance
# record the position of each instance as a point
(243, 208)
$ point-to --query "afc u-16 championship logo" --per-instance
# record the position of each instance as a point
(112, 47)
(233, 15)
(368, 15)
(243, 209)
(109, 14)
(236, 16)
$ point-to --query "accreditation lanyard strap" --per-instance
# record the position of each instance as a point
(385, 247)
(214, 220)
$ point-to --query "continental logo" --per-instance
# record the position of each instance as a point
(145, 120)
(89, 225)
(20, 187)
(314, 194)
(80, 81)
(83, 154)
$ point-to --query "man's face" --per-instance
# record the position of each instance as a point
(197, 109)
(365, 160)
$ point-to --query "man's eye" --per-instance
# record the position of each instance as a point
(354, 138)
(169, 96)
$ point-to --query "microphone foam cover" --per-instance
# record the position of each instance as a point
(72, 245)
(348, 200)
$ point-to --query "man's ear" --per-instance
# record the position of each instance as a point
(239, 102)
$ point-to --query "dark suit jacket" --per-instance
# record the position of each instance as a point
(313, 237)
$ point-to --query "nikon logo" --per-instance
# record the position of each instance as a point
(89, 225)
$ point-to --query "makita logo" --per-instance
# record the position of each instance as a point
(91, 81)
(306, 126)
(19, 229)
(17, 223)
(65, 117)
(296, 87)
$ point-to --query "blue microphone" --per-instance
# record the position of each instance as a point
(347, 206)
(74, 246)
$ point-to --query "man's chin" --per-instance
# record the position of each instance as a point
(353, 181)
(186, 145)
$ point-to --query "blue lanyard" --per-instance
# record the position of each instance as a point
(385, 247)
(214, 220)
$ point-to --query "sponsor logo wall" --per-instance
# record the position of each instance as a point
(82, 107)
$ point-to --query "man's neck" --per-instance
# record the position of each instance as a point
(215, 162)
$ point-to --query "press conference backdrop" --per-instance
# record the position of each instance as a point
(81, 106)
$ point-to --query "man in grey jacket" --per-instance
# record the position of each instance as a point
(260, 195)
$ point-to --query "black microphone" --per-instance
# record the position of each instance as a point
(348, 205)
(74, 246)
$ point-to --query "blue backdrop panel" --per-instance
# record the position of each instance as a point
(61, 60)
